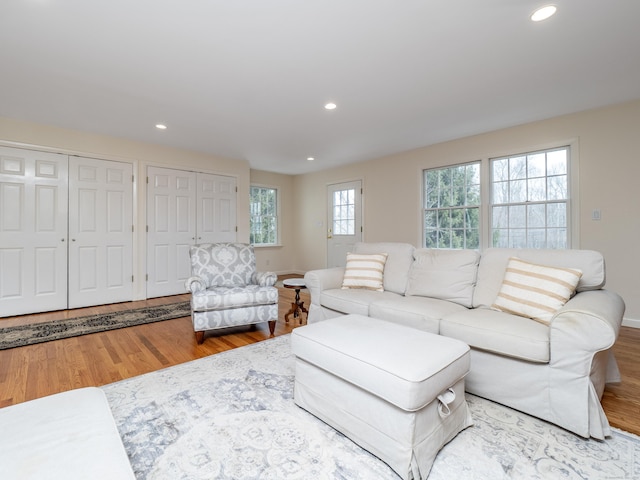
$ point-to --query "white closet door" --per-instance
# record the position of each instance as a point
(171, 223)
(100, 232)
(33, 231)
(216, 208)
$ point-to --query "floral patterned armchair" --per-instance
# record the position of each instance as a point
(226, 290)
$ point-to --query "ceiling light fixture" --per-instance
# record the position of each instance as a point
(311, 159)
(330, 106)
(543, 13)
(160, 126)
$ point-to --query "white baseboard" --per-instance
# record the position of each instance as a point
(631, 322)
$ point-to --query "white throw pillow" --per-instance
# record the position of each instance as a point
(535, 291)
(364, 271)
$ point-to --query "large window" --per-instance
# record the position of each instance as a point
(264, 215)
(452, 207)
(530, 200)
(516, 201)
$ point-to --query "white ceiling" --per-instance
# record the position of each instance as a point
(247, 79)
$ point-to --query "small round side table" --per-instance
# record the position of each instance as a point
(297, 307)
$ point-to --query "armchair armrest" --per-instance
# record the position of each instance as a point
(325, 279)
(264, 279)
(588, 323)
(195, 284)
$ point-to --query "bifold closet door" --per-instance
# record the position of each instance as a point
(33, 231)
(100, 232)
(216, 212)
(171, 226)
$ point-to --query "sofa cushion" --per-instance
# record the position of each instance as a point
(423, 313)
(493, 263)
(444, 274)
(499, 332)
(351, 301)
(399, 260)
(364, 271)
(535, 291)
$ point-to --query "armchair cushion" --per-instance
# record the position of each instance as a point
(223, 298)
(223, 264)
(264, 279)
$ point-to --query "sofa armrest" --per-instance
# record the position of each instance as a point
(588, 323)
(195, 284)
(264, 279)
(325, 279)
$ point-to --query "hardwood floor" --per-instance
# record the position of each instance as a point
(97, 359)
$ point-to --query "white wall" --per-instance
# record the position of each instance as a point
(608, 144)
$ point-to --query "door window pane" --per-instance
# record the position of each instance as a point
(344, 221)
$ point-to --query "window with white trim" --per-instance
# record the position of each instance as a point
(530, 200)
(451, 210)
(263, 206)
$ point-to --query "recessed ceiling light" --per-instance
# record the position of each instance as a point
(330, 106)
(543, 13)
(311, 159)
(160, 126)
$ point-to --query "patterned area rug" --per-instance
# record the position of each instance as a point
(232, 416)
(22, 335)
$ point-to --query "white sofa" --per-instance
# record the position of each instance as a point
(67, 436)
(556, 371)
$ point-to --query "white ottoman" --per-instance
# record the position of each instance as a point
(396, 391)
(67, 436)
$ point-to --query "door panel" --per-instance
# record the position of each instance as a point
(33, 231)
(171, 222)
(216, 208)
(100, 223)
(344, 221)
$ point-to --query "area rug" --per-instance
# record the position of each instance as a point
(232, 416)
(22, 335)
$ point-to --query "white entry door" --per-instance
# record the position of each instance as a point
(216, 213)
(171, 224)
(100, 232)
(344, 222)
(33, 231)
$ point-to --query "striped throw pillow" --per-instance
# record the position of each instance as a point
(535, 291)
(364, 271)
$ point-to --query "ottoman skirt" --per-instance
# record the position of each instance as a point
(405, 431)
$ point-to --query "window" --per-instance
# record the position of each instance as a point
(263, 206)
(530, 200)
(344, 212)
(452, 206)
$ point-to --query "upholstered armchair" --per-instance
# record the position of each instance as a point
(226, 290)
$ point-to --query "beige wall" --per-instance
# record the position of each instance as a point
(141, 155)
(607, 141)
(281, 258)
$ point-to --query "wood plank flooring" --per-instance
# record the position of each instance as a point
(97, 359)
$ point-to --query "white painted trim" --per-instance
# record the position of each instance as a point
(631, 322)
